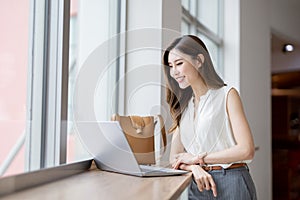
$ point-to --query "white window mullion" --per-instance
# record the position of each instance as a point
(57, 101)
(120, 107)
(35, 88)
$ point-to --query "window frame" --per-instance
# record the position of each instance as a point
(198, 26)
(47, 99)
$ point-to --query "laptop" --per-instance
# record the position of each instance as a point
(112, 152)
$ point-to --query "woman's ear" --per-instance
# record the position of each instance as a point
(200, 59)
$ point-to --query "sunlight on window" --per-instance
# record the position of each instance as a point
(13, 84)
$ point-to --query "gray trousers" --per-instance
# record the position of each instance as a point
(232, 184)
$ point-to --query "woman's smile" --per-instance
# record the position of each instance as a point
(180, 79)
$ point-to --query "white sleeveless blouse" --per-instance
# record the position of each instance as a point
(210, 131)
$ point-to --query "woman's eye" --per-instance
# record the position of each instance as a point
(180, 63)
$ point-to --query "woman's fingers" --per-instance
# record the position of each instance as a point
(213, 186)
(200, 184)
(207, 185)
(204, 180)
(177, 164)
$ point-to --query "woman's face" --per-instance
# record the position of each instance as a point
(183, 68)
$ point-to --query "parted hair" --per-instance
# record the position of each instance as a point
(176, 97)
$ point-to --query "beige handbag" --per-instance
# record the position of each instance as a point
(139, 132)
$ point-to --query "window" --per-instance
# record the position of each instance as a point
(205, 19)
(42, 50)
(14, 24)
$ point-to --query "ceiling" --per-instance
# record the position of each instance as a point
(285, 66)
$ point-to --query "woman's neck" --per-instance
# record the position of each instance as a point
(199, 90)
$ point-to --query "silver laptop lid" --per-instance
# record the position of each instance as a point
(109, 147)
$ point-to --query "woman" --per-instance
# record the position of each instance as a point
(211, 135)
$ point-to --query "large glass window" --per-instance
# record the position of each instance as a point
(208, 13)
(44, 45)
(205, 19)
(14, 25)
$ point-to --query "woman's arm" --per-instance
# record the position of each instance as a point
(203, 179)
(178, 154)
(244, 148)
(176, 146)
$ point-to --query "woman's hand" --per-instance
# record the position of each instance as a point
(187, 158)
(203, 179)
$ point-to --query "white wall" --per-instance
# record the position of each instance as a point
(143, 57)
(255, 86)
(247, 67)
(151, 26)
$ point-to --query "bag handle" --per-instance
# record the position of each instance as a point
(137, 123)
(115, 117)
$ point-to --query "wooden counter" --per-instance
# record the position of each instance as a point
(97, 184)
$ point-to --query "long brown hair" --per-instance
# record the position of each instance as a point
(176, 97)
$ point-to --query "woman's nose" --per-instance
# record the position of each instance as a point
(175, 71)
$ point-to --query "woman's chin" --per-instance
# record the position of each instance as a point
(183, 86)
